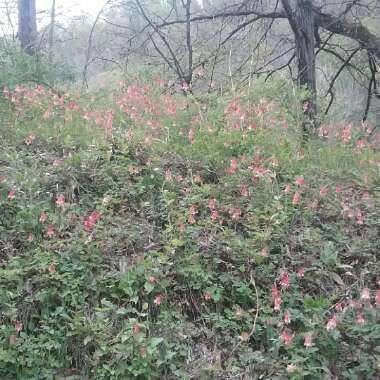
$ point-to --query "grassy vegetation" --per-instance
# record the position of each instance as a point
(152, 236)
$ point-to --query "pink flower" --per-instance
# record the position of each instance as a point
(198, 179)
(287, 189)
(52, 268)
(359, 217)
(43, 217)
(301, 272)
(244, 191)
(365, 196)
(60, 201)
(296, 198)
(12, 194)
(264, 252)
(276, 298)
(50, 230)
(323, 132)
(168, 175)
(192, 212)
(287, 337)
(157, 300)
(29, 139)
(360, 320)
(377, 298)
(308, 340)
(339, 307)
(299, 181)
(338, 189)
(287, 318)
(212, 204)
(235, 213)
(365, 295)
(346, 135)
(356, 304)
(214, 215)
(323, 191)
(285, 279)
(136, 329)
(233, 166)
(30, 237)
(331, 323)
(18, 326)
(290, 368)
(191, 135)
(90, 222)
(207, 296)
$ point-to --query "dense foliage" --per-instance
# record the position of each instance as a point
(145, 235)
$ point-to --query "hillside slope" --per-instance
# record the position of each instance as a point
(151, 236)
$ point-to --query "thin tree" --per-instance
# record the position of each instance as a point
(27, 25)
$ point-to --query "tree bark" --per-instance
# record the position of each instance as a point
(301, 18)
(27, 25)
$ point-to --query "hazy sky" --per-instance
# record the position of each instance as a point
(73, 7)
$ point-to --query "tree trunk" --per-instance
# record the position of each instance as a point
(301, 17)
(51, 33)
(27, 25)
(305, 46)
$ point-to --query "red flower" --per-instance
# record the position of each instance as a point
(287, 318)
(285, 279)
(287, 337)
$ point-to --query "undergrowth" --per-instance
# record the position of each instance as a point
(145, 235)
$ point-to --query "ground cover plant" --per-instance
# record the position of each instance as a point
(150, 235)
